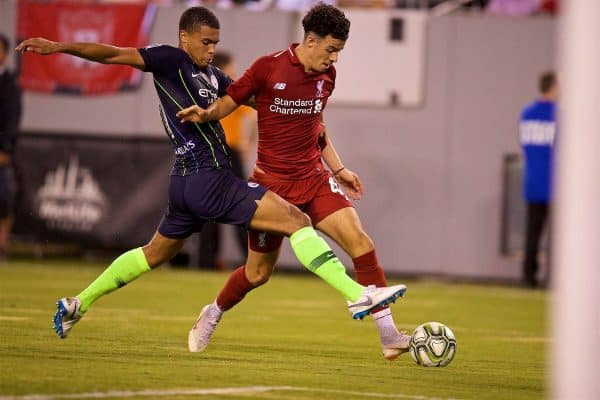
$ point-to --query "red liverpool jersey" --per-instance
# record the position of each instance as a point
(289, 104)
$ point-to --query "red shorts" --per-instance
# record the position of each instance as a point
(318, 196)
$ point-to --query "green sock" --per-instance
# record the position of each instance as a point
(127, 267)
(316, 255)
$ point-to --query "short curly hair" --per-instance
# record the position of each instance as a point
(193, 18)
(324, 19)
(547, 81)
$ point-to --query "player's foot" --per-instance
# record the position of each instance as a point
(373, 297)
(203, 329)
(396, 346)
(68, 312)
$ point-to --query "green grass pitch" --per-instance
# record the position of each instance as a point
(291, 339)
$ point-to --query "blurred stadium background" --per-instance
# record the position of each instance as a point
(425, 110)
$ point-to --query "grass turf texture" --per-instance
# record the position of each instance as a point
(295, 331)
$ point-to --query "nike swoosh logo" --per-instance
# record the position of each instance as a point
(196, 75)
(364, 303)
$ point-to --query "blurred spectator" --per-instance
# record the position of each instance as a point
(240, 126)
(240, 133)
(538, 131)
(522, 7)
(466, 4)
(10, 115)
(302, 5)
(550, 6)
(513, 7)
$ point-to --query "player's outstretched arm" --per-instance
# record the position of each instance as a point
(217, 110)
(98, 52)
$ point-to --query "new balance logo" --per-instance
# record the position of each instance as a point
(279, 86)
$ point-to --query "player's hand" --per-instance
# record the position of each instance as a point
(193, 114)
(351, 183)
(38, 45)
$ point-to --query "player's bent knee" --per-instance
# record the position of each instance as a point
(300, 219)
(160, 250)
(361, 244)
(258, 278)
(366, 242)
(153, 258)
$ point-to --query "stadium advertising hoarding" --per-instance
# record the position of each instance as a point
(117, 24)
(107, 193)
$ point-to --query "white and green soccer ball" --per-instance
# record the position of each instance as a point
(432, 344)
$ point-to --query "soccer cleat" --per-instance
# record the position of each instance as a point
(68, 312)
(373, 297)
(396, 347)
(203, 329)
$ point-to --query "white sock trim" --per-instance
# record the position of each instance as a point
(382, 313)
(385, 324)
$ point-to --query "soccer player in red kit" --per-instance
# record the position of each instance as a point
(291, 88)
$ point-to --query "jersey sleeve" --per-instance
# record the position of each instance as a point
(251, 82)
(224, 81)
(159, 59)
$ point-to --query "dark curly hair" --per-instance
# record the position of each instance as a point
(193, 18)
(324, 20)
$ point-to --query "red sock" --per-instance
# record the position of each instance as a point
(369, 272)
(234, 290)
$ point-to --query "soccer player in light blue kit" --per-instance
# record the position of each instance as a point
(538, 134)
(203, 187)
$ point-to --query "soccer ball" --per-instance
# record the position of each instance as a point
(432, 345)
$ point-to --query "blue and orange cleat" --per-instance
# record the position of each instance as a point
(68, 312)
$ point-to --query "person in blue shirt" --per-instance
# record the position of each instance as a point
(203, 187)
(538, 134)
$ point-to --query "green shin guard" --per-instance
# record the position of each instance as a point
(127, 267)
(316, 255)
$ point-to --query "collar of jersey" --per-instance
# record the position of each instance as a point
(195, 67)
(292, 53)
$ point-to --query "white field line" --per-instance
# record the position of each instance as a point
(11, 318)
(205, 392)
